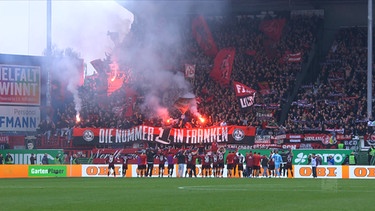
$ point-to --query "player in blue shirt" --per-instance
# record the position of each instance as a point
(278, 160)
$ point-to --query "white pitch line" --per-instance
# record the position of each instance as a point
(251, 188)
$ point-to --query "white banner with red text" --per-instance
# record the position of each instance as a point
(336, 172)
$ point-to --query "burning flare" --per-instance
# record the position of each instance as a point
(78, 118)
(202, 119)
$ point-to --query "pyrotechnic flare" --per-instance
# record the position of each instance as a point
(78, 118)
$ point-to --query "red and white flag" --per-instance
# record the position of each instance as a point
(242, 90)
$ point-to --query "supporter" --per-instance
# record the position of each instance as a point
(335, 101)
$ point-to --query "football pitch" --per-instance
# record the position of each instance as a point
(186, 194)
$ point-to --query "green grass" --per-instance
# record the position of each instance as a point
(185, 194)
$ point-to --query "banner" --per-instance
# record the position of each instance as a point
(20, 85)
(272, 28)
(223, 65)
(326, 139)
(361, 172)
(113, 136)
(4, 139)
(46, 171)
(189, 70)
(301, 156)
(22, 156)
(336, 172)
(203, 36)
(102, 171)
(228, 135)
(293, 57)
(296, 57)
(323, 171)
(19, 118)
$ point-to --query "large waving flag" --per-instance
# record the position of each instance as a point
(223, 65)
(272, 28)
(245, 95)
(203, 35)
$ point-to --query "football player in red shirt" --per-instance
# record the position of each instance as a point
(111, 164)
(230, 163)
(206, 165)
(143, 162)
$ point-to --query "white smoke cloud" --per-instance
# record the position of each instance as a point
(162, 41)
(84, 25)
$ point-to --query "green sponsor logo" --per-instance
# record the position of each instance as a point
(301, 156)
(47, 171)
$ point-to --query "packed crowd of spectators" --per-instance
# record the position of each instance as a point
(243, 33)
(334, 103)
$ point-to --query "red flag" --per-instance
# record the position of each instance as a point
(223, 65)
(203, 35)
(273, 28)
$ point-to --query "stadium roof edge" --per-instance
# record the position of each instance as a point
(211, 6)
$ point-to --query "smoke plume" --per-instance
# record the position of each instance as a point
(157, 57)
